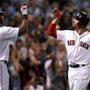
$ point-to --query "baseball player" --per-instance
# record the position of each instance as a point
(77, 44)
(6, 35)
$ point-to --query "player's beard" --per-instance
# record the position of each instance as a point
(1, 19)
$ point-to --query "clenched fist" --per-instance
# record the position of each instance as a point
(57, 13)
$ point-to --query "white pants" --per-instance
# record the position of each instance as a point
(79, 78)
(4, 76)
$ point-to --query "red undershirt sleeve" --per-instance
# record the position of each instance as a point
(52, 30)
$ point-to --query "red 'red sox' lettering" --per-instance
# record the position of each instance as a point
(82, 44)
(71, 42)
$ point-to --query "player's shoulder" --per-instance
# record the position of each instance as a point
(65, 31)
(68, 30)
(5, 27)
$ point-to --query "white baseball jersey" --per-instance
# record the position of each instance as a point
(6, 35)
(77, 46)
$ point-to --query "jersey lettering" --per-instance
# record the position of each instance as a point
(71, 42)
(84, 45)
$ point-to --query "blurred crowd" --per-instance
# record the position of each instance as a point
(39, 62)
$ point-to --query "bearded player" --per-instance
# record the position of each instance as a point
(77, 44)
(7, 34)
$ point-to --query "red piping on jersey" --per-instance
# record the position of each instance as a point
(51, 30)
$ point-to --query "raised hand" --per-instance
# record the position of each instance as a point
(57, 13)
(24, 9)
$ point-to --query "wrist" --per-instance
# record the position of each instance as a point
(54, 21)
(24, 17)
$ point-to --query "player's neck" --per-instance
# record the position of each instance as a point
(81, 31)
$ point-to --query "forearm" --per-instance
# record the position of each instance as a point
(52, 28)
(22, 27)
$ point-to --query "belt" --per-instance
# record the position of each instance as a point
(76, 65)
(3, 61)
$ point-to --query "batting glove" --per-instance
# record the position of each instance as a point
(24, 11)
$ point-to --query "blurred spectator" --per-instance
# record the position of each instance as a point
(82, 3)
(14, 68)
(55, 70)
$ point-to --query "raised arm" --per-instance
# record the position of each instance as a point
(24, 12)
(52, 26)
(22, 27)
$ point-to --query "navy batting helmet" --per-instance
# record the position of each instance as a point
(81, 16)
